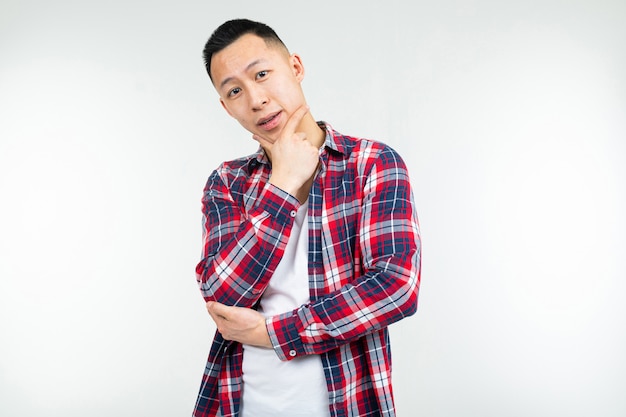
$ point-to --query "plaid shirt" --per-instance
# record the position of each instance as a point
(364, 269)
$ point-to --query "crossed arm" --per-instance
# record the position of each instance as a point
(241, 254)
(382, 290)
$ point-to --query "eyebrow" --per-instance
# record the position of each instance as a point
(250, 65)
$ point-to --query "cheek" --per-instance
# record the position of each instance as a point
(291, 96)
(236, 111)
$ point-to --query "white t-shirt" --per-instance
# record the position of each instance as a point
(272, 387)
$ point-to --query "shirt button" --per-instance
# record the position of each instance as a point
(293, 213)
(292, 353)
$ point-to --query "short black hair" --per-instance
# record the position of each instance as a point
(231, 30)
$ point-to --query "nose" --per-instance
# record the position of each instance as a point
(258, 98)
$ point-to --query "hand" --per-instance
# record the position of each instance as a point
(240, 324)
(294, 158)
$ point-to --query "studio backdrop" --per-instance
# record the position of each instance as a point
(510, 115)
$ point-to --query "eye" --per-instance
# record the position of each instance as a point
(234, 92)
(261, 74)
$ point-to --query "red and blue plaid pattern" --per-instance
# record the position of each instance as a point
(364, 269)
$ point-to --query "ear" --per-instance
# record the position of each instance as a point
(297, 67)
(225, 108)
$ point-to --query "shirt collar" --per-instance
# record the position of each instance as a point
(334, 141)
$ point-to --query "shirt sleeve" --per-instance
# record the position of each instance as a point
(386, 291)
(241, 249)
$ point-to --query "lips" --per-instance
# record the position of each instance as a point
(269, 122)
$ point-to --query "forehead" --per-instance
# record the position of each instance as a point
(237, 57)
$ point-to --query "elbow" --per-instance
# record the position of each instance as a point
(203, 280)
(414, 282)
(412, 285)
(409, 307)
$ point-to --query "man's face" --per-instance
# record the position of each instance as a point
(258, 84)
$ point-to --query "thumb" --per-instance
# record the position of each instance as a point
(262, 141)
(265, 144)
(217, 309)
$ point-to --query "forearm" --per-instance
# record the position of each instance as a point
(241, 250)
(376, 300)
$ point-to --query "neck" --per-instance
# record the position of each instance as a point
(315, 134)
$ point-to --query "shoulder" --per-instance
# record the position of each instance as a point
(233, 177)
(242, 167)
(363, 151)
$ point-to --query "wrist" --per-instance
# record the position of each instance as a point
(285, 185)
(264, 336)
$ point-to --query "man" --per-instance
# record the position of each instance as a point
(310, 248)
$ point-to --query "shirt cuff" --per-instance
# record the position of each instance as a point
(276, 202)
(284, 331)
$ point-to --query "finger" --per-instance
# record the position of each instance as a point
(288, 130)
(262, 141)
(217, 310)
(294, 120)
(209, 308)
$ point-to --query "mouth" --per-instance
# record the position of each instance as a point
(269, 122)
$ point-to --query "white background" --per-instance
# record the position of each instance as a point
(510, 115)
